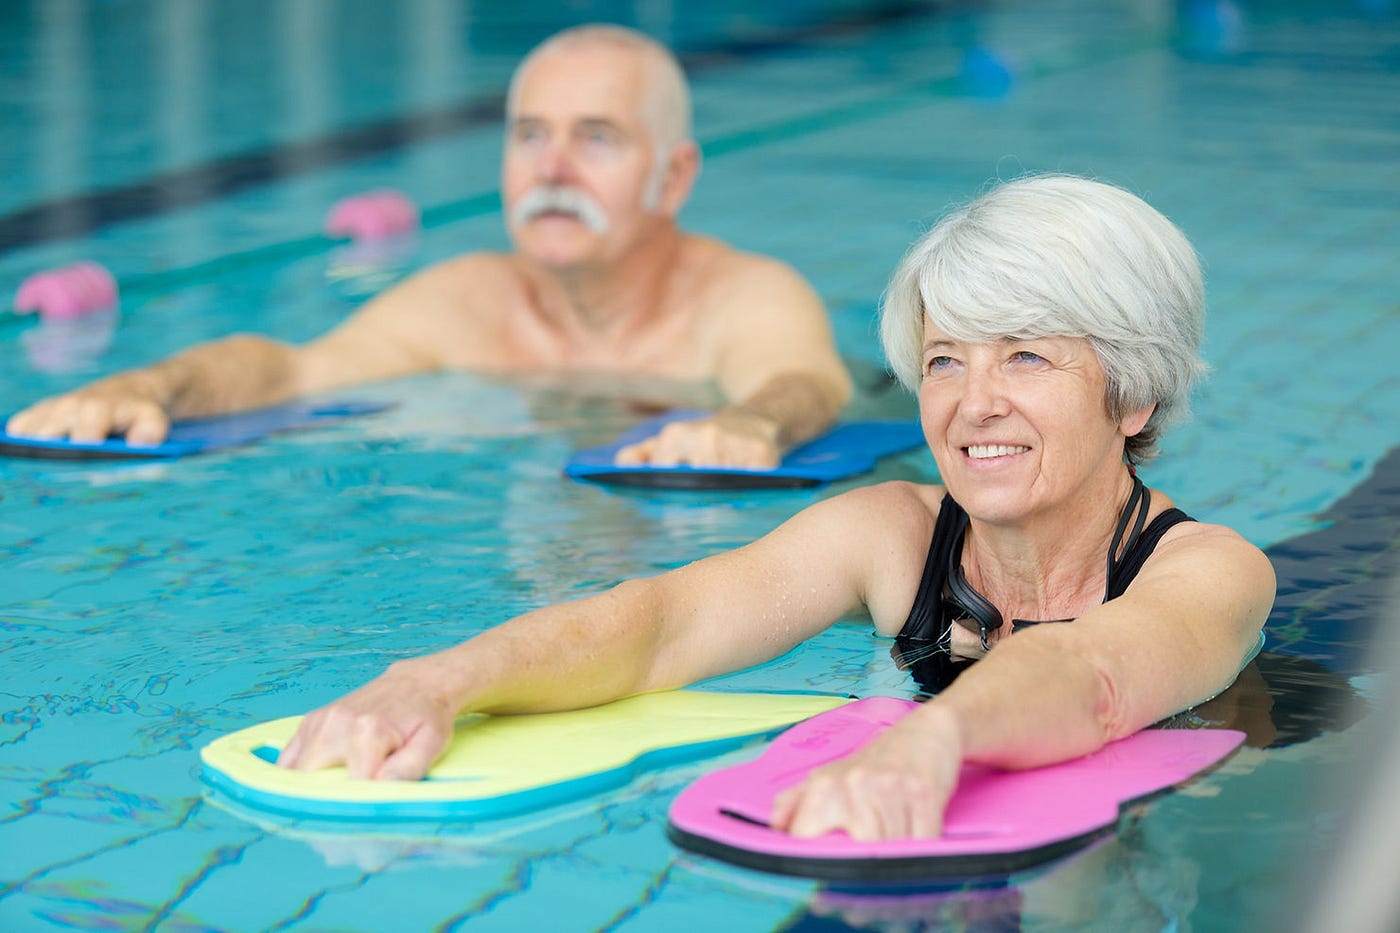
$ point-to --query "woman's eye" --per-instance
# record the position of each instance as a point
(936, 363)
(1026, 356)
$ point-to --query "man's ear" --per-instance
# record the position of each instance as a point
(682, 169)
(1134, 421)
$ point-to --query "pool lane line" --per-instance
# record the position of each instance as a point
(72, 216)
(887, 102)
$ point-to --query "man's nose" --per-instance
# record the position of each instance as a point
(555, 164)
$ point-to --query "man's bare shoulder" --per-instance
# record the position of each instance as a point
(470, 273)
(448, 315)
(465, 292)
(731, 285)
(723, 267)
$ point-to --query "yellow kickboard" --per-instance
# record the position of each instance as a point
(500, 766)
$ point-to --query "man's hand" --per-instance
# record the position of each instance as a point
(94, 413)
(730, 438)
(392, 728)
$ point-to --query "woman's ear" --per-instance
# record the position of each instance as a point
(1133, 422)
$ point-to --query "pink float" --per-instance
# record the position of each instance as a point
(374, 215)
(67, 292)
(997, 821)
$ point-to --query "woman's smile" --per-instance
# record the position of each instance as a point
(993, 451)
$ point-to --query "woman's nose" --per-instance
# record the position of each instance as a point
(983, 396)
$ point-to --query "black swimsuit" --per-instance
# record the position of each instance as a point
(924, 645)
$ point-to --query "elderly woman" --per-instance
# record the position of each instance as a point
(1051, 330)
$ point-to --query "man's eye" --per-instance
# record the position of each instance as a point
(600, 137)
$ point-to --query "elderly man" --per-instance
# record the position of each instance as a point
(598, 162)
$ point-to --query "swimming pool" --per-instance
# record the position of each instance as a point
(193, 148)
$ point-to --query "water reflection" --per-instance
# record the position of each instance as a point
(72, 345)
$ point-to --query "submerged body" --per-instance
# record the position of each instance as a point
(598, 163)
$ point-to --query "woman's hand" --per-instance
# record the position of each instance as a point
(897, 787)
(392, 728)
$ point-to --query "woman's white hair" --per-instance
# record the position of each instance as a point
(1061, 256)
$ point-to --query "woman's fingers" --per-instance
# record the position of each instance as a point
(412, 759)
(897, 787)
(387, 729)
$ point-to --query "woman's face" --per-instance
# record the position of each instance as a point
(1019, 427)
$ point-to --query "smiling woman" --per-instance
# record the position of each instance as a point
(1042, 518)
(1123, 278)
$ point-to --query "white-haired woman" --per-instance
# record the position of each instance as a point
(1051, 330)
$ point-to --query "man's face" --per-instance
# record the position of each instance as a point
(578, 126)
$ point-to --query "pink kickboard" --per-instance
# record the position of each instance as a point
(997, 821)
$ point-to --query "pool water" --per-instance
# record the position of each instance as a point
(149, 608)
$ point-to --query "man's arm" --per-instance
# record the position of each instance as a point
(396, 334)
(235, 373)
(778, 365)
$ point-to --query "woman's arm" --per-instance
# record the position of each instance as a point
(1053, 692)
(717, 615)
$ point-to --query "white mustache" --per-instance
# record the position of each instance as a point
(552, 199)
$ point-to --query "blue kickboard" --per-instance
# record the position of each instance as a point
(193, 437)
(847, 450)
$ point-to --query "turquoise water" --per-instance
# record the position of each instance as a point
(147, 609)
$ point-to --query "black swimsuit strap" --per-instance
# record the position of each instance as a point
(1139, 504)
(1125, 570)
(923, 646)
(926, 615)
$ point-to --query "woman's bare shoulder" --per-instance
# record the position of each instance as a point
(896, 500)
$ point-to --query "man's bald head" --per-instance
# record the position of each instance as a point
(666, 101)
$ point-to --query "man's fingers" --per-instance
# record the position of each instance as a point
(46, 420)
(702, 443)
(635, 454)
(672, 446)
(92, 420)
(21, 423)
(146, 424)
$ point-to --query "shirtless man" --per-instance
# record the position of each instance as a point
(598, 163)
